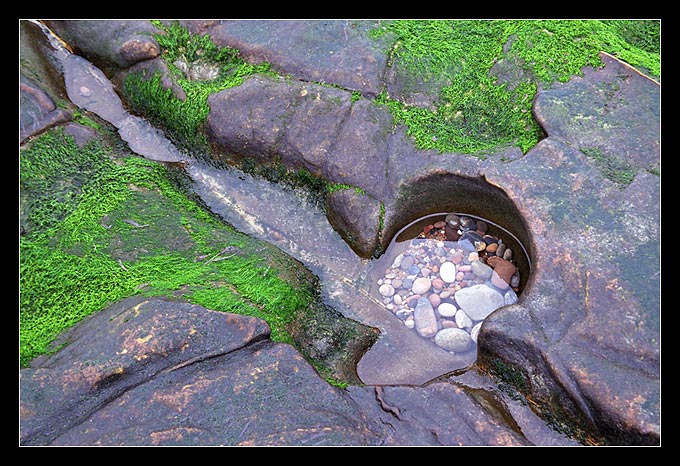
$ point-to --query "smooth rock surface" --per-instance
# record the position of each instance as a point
(478, 301)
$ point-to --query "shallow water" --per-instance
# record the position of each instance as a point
(432, 284)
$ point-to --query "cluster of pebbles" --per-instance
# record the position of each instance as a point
(448, 280)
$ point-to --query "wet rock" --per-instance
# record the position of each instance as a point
(453, 339)
(425, 318)
(355, 216)
(38, 110)
(335, 52)
(478, 301)
(109, 44)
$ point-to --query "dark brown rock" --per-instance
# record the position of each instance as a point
(37, 110)
(109, 44)
(154, 372)
(339, 52)
(356, 216)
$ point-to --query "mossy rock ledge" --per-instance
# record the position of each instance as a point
(581, 347)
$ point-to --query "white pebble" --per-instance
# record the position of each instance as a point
(462, 320)
(386, 290)
(447, 310)
(447, 272)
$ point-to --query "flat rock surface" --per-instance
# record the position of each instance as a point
(157, 372)
(338, 52)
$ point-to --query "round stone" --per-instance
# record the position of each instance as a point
(397, 261)
(482, 270)
(447, 272)
(421, 285)
(453, 339)
(413, 270)
(466, 223)
(386, 290)
(453, 221)
(425, 318)
(478, 301)
(435, 300)
(448, 323)
(447, 310)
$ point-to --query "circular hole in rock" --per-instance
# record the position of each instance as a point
(445, 273)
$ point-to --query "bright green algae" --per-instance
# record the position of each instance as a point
(474, 113)
(99, 228)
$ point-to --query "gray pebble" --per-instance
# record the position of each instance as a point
(482, 270)
(406, 262)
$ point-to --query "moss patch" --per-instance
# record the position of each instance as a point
(128, 229)
(476, 114)
(197, 65)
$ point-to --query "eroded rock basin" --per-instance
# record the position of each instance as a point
(447, 280)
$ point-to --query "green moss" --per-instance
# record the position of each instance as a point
(129, 230)
(474, 113)
(509, 375)
(201, 68)
(612, 167)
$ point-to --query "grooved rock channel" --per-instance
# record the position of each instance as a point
(582, 344)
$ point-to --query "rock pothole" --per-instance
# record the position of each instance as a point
(446, 280)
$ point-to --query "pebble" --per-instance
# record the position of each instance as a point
(478, 301)
(406, 262)
(453, 339)
(421, 285)
(446, 323)
(482, 270)
(466, 223)
(425, 318)
(386, 290)
(504, 270)
(447, 272)
(447, 310)
(462, 320)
